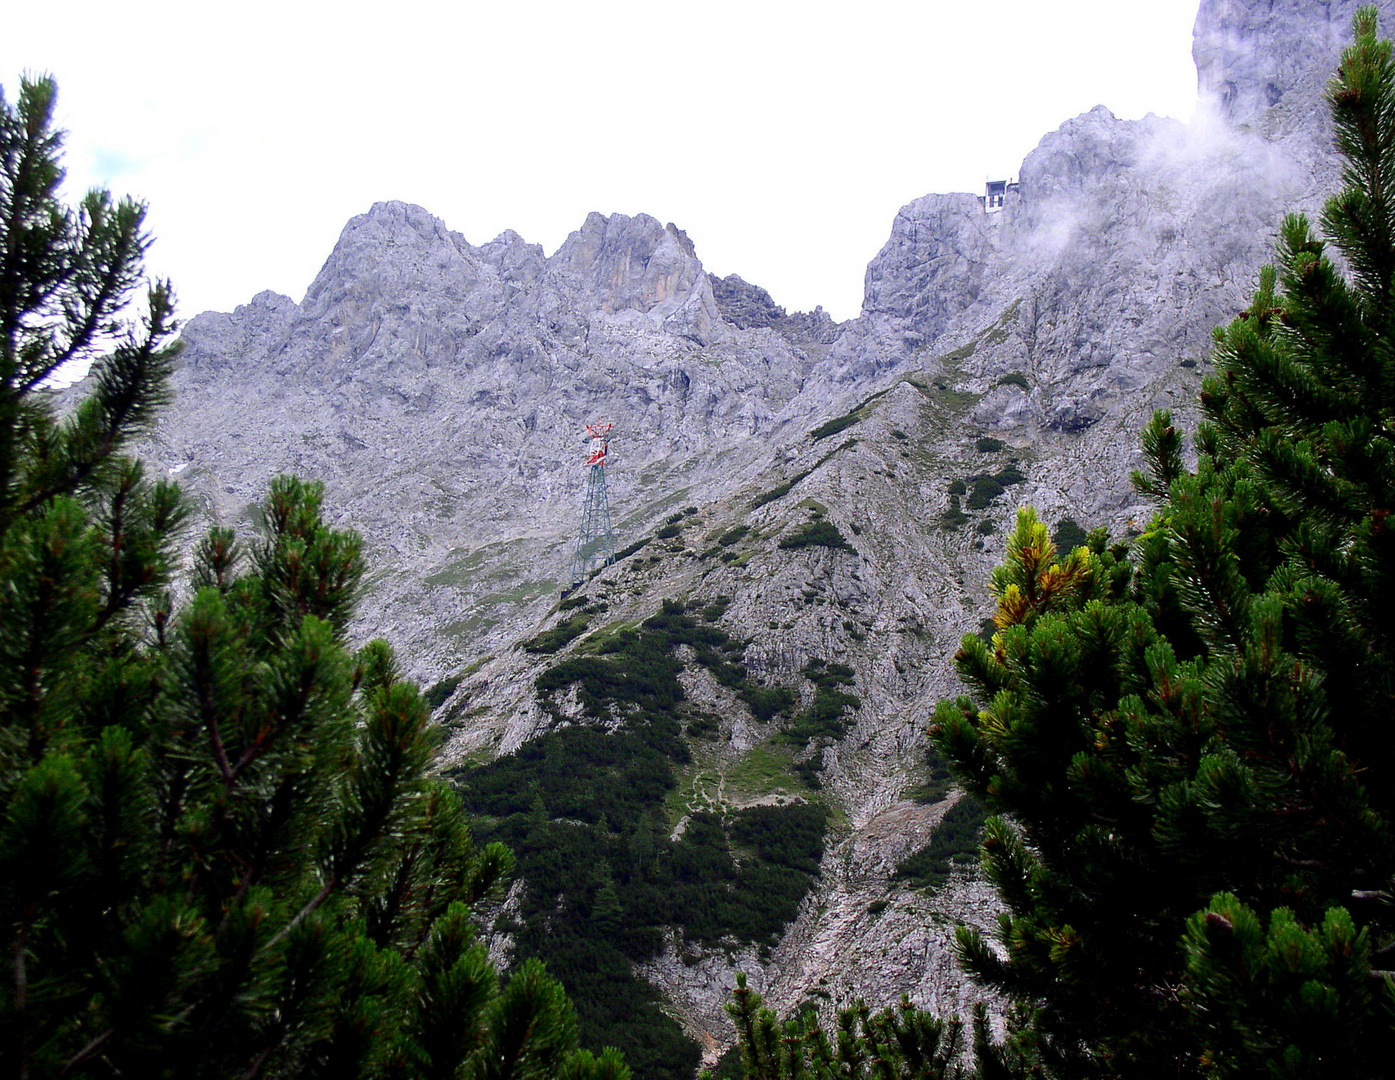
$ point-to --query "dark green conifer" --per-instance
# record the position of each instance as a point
(221, 851)
(1190, 748)
(897, 1042)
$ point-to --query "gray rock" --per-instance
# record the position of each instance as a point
(1264, 63)
(749, 307)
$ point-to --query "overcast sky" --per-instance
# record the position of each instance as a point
(782, 136)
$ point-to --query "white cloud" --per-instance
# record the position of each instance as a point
(782, 136)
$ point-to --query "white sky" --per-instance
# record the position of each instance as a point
(783, 136)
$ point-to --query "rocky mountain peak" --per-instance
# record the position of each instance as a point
(749, 307)
(620, 263)
(931, 266)
(394, 249)
(219, 338)
(1090, 149)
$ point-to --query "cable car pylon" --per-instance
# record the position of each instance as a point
(595, 540)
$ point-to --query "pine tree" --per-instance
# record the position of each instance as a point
(1188, 744)
(221, 849)
(901, 1042)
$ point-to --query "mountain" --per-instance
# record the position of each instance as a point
(814, 509)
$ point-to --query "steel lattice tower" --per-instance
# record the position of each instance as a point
(595, 541)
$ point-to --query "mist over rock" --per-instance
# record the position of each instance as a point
(1121, 244)
(1119, 247)
(439, 388)
(1265, 63)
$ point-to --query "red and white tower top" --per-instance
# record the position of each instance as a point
(600, 443)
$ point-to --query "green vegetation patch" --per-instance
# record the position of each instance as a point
(998, 332)
(938, 783)
(768, 702)
(819, 532)
(828, 715)
(789, 837)
(837, 424)
(460, 571)
(564, 633)
(725, 542)
(954, 843)
(703, 725)
(764, 770)
(626, 552)
(435, 696)
(716, 609)
(846, 444)
(484, 563)
(779, 491)
(1069, 535)
(585, 774)
(1010, 474)
(583, 808)
(871, 398)
(988, 445)
(964, 351)
(1014, 378)
(984, 488)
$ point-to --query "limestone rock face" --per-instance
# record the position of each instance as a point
(439, 388)
(262, 325)
(933, 266)
(1264, 63)
(620, 264)
(749, 307)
